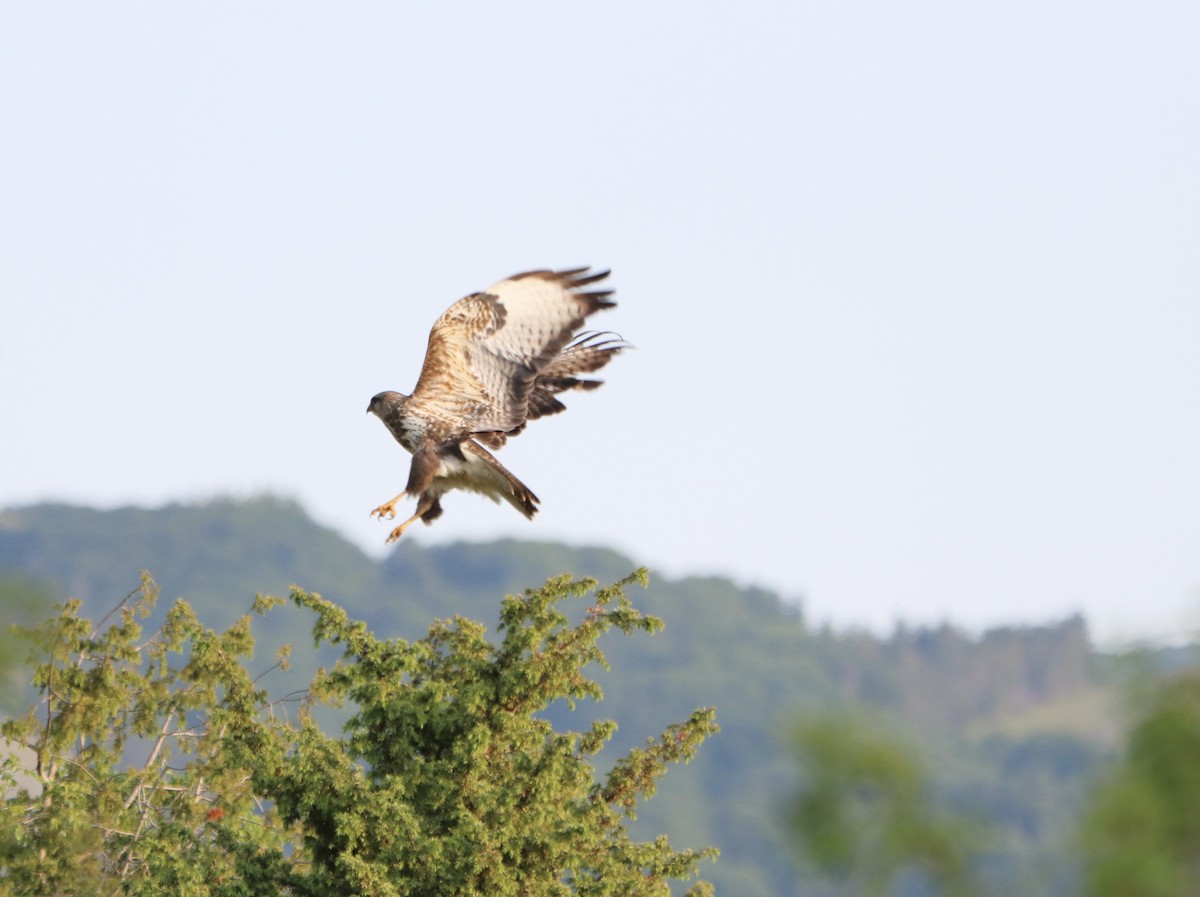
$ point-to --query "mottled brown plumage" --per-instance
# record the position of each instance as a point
(495, 361)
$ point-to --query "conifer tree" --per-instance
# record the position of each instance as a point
(161, 765)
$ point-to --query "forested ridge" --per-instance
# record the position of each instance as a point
(1014, 723)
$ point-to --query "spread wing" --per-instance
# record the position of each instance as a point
(587, 354)
(487, 350)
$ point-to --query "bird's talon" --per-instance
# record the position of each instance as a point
(385, 511)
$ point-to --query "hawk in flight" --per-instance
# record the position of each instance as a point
(495, 361)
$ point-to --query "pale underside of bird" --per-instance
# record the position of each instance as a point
(495, 361)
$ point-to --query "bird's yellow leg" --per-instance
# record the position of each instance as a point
(399, 531)
(387, 510)
(424, 503)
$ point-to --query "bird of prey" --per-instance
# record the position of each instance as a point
(495, 361)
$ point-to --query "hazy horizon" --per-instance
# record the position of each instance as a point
(913, 290)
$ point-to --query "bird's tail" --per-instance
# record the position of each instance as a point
(502, 483)
(521, 497)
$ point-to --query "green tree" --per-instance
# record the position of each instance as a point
(1141, 835)
(864, 816)
(161, 765)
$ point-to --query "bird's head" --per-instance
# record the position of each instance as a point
(384, 403)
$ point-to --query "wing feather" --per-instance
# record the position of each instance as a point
(487, 350)
(588, 353)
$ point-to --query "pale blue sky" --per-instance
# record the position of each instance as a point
(915, 287)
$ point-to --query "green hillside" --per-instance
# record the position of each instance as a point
(1013, 723)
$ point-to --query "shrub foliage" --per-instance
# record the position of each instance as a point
(161, 764)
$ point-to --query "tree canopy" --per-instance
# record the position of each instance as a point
(1141, 834)
(161, 764)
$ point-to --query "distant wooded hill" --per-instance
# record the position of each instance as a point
(1012, 723)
